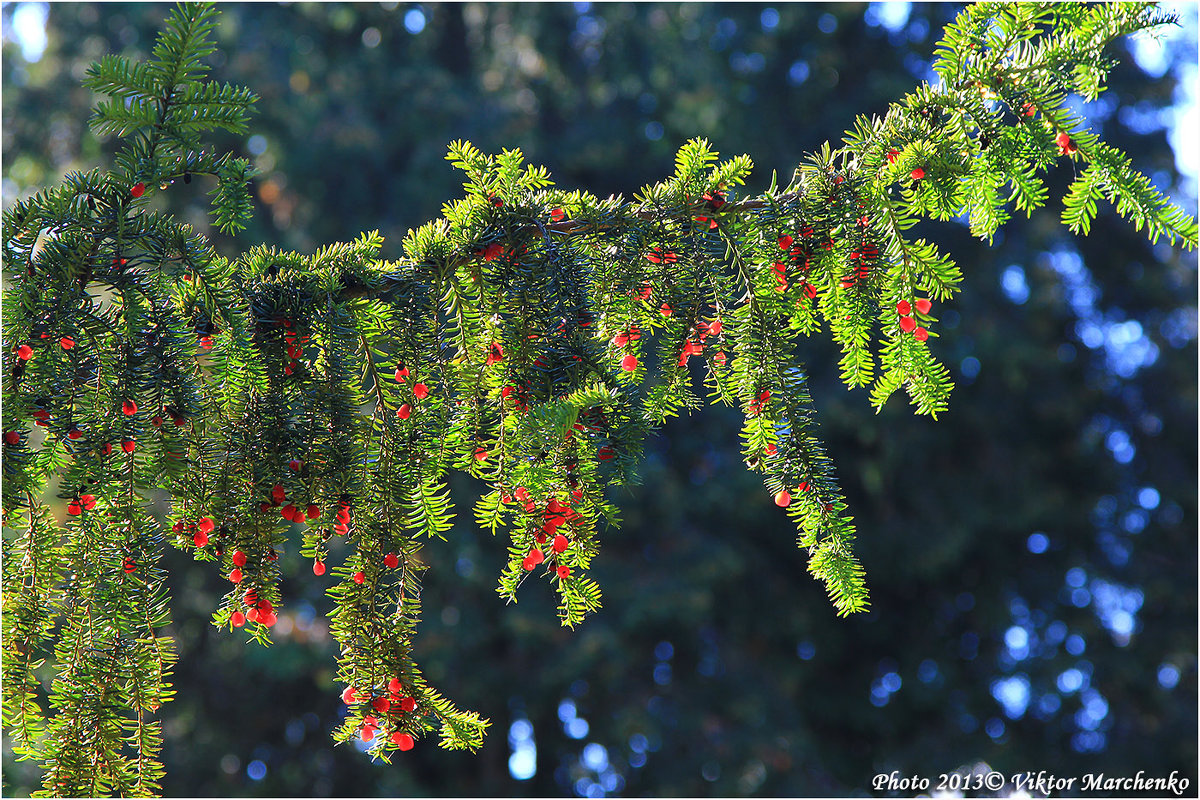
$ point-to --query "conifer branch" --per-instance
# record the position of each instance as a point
(537, 337)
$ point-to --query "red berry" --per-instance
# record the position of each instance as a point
(75, 433)
(359, 577)
(129, 445)
(206, 524)
(294, 465)
(156, 421)
(66, 342)
(238, 619)
(239, 558)
(12, 437)
(605, 453)
(138, 189)
(557, 214)
(665, 309)
(381, 704)
(88, 501)
(267, 618)
(130, 565)
(892, 155)
(318, 568)
(312, 511)
(537, 556)
(480, 454)
(495, 354)
(408, 705)
(277, 494)
(907, 324)
(923, 305)
(528, 563)
(264, 506)
(564, 572)
(391, 561)
(404, 411)
(250, 598)
(367, 733)
(629, 363)
(420, 391)
(560, 543)
(201, 538)
(785, 242)
(24, 352)
(129, 408)
(394, 686)
(235, 575)
(540, 538)
(903, 308)
(180, 422)
(106, 449)
(290, 512)
(920, 334)
(252, 615)
(918, 174)
(783, 498)
(402, 740)
(74, 509)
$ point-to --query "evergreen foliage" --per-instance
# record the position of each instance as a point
(532, 337)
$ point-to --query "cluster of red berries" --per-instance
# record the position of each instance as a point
(694, 345)
(713, 200)
(81, 503)
(420, 391)
(864, 255)
(289, 511)
(553, 516)
(295, 348)
(200, 529)
(759, 402)
(796, 258)
(257, 610)
(659, 256)
(907, 323)
(384, 704)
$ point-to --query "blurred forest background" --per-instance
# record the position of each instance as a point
(1032, 555)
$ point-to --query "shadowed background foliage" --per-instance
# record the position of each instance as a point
(1032, 555)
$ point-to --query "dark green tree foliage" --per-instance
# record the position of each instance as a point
(532, 338)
